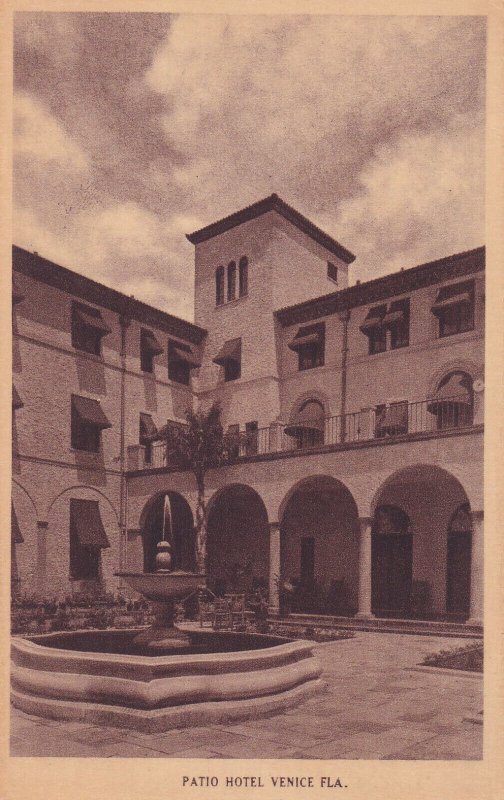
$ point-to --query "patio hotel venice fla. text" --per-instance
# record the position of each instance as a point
(259, 781)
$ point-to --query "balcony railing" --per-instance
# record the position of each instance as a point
(382, 422)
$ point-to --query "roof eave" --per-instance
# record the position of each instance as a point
(272, 203)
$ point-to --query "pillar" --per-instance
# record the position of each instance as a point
(274, 568)
(41, 556)
(477, 570)
(364, 611)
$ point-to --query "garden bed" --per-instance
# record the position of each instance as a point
(467, 659)
(33, 614)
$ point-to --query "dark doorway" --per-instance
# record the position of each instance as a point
(307, 570)
(392, 562)
(182, 536)
(458, 578)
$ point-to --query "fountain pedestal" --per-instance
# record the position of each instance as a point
(163, 589)
(162, 634)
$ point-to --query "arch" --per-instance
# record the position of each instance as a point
(472, 368)
(237, 540)
(416, 473)
(411, 572)
(319, 536)
(28, 495)
(181, 534)
(80, 487)
(320, 480)
(315, 395)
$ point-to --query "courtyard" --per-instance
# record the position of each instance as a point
(376, 704)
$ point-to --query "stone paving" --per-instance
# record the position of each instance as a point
(374, 707)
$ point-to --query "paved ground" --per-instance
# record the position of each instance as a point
(374, 707)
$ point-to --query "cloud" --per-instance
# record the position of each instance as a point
(417, 202)
(122, 245)
(39, 137)
(315, 107)
(370, 126)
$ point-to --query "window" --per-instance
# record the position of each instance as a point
(88, 329)
(307, 567)
(231, 276)
(309, 343)
(149, 347)
(374, 329)
(219, 286)
(308, 425)
(251, 438)
(147, 433)
(232, 370)
(452, 404)
(454, 308)
(233, 439)
(392, 419)
(243, 276)
(181, 360)
(87, 422)
(229, 357)
(87, 539)
(377, 341)
(380, 320)
(398, 322)
(332, 271)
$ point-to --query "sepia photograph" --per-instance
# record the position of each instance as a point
(248, 390)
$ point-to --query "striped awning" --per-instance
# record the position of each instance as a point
(16, 399)
(90, 412)
(150, 343)
(184, 354)
(230, 351)
(148, 430)
(456, 294)
(307, 334)
(374, 318)
(92, 318)
(87, 523)
(309, 418)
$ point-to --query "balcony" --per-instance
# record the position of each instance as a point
(380, 424)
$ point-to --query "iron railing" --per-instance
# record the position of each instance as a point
(381, 422)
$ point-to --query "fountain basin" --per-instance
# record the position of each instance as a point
(163, 586)
(240, 676)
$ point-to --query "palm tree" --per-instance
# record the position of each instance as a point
(198, 446)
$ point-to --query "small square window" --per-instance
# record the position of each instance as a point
(88, 329)
(377, 340)
(332, 271)
(251, 438)
(87, 422)
(232, 370)
(454, 308)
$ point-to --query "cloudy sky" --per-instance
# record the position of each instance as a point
(131, 130)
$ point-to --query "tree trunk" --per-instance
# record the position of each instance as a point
(201, 531)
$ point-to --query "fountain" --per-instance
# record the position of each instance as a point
(162, 677)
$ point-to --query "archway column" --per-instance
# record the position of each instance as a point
(364, 610)
(477, 570)
(41, 562)
(274, 568)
